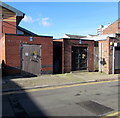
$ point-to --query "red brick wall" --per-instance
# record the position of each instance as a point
(112, 29)
(67, 52)
(12, 51)
(9, 27)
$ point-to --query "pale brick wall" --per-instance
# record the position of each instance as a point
(107, 54)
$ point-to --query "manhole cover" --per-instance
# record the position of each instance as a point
(95, 107)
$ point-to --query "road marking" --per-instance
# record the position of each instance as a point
(112, 114)
(57, 87)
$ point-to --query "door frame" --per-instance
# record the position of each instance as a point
(72, 58)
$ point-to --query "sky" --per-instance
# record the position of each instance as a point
(59, 18)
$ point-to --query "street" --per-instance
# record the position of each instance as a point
(92, 99)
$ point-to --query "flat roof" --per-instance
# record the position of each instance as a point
(99, 37)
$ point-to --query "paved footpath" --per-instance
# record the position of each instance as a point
(18, 83)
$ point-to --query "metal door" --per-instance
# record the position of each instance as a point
(31, 59)
(117, 58)
(79, 58)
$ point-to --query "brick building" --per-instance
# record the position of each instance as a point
(109, 55)
(22, 51)
(109, 29)
(108, 48)
(112, 28)
(90, 53)
(76, 54)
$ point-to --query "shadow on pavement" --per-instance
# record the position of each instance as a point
(20, 105)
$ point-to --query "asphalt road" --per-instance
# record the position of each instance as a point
(95, 99)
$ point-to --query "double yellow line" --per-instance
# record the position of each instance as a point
(56, 87)
(112, 115)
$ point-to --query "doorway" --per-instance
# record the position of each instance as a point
(117, 60)
(31, 59)
(79, 58)
(57, 56)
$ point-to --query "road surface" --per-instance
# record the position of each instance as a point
(91, 99)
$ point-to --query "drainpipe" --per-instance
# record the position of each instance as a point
(113, 65)
(100, 57)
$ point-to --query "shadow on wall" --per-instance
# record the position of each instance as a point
(14, 72)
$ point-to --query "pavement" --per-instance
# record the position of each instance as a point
(15, 83)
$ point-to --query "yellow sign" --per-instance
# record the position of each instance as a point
(35, 53)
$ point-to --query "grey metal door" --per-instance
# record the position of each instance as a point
(31, 59)
(117, 58)
(79, 58)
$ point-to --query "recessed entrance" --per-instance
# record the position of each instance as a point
(79, 58)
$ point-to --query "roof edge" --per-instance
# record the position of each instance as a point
(27, 35)
(18, 12)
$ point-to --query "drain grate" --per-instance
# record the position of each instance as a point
(95, 107)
